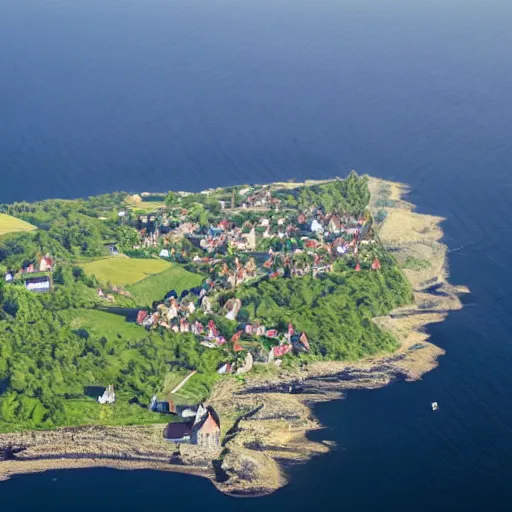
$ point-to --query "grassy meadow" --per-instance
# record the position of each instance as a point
(101, 323)
(147, 206)
(86, 411)
(154, 287)
(122, 271)
(10, 224)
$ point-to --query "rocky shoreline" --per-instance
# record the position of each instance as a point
(266, 419)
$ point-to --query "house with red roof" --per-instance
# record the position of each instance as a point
(206, 429)
(46, 264)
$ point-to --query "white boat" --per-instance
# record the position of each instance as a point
(435, 406)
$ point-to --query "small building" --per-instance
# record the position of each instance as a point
(178, 432)
(165, 406)
(203, 431)
(46, 264)
(206, 429)
(141, 316)
(108, 397)
(112, 248)
(300, 343)
(164, 253)
(316, 227)
(37, 281)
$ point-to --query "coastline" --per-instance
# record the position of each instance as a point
(266, 419)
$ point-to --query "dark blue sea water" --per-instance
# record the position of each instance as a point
(101, 95)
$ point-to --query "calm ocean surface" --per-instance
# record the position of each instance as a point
(102, 95)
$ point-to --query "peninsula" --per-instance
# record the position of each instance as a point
(192, 332)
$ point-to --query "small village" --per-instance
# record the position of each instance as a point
(275, 243)
(253, 235)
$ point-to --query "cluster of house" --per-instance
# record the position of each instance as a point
(315, 226)
(148, 239)
(321, 236)
(36, 276)
(152, 228)
(175, 314)
(174, 311)
(232, 275)
(259, 198)
(282, 344)
(227, 234)
(299, 243)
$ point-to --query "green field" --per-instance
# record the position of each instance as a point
(147, 206)
(10, 224)
(155, 287)
(86, 411)
(122, 271)
(101, 323)
(146, 279)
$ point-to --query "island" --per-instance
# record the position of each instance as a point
(192, 332)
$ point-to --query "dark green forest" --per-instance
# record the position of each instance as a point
(350, 195)
(46, 364)
(335, 310)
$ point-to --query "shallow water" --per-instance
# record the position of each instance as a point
(103, 95)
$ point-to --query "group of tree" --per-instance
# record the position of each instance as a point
(46, 363)
(66, 229)
(336, 310)
(350, 195)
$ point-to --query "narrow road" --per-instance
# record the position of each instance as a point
(183, 382)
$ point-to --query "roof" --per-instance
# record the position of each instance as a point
(177, 430)
(31, 275)
(209, 425)
(141, 316)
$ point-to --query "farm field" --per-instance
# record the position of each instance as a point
(122, 271)
(154, 287)
(10, 224)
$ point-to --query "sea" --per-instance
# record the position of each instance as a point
(105, 95)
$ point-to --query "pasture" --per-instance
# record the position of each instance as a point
(10, 224)
(147, 206)
(122, 271)
(101, 323)
(154, 287)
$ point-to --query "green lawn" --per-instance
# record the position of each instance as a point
(147, 206)
(121, 270)
(101, 323)
(87, 411)
(155, 287)
(10, 224)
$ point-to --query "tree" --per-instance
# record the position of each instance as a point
(171, 199)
